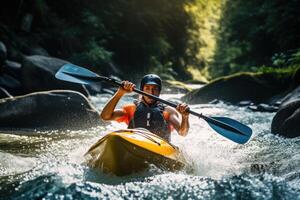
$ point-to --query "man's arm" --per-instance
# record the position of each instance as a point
(109, 112)
(182, 126)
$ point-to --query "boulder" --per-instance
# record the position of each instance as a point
(171, 86)
(11, 84)
(12, 68)
(263, 108)
(4, 93)
(286, 122)
(38, 74)
(296, 77)
(50, 110)
(245, 103)
(254, 87)
(3, 53)
(290, 97)
(38, 51)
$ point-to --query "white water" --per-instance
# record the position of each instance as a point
(30, 160)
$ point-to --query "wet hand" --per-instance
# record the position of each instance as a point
(127, 87)
(183, 109)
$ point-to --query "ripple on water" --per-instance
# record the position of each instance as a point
(163, 186)
(12, 164)
(221, 169)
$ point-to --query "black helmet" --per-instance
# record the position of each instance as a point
(151, 79)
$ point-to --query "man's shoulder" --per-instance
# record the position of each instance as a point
(170, 110)
(129, 107)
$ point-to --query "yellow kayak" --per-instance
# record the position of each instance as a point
(132, 150)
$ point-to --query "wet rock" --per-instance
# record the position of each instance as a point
(51, 110)
(4, 93)
(296, 77)
(292, 96)
(259, 168)
(276, 100)
(108, 91)
(286, 122)
(253, 107)
(277, 103)
(38, 51)
(12, 68)
(255, 87)
(170, 86)
(11, 84)
(215, 101)
(3, 53)
(263, 108)
(245, 103)
(38, 74)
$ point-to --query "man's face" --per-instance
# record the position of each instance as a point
(151, 89)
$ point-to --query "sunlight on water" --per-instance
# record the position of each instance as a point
(51, 164)
(12, 164)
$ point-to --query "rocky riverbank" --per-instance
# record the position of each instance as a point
(264, 92)
(32, 98)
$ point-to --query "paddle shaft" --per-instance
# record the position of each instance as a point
(115, 82)
(200, 115)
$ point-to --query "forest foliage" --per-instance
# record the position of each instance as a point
(179, 39)
(257, 35)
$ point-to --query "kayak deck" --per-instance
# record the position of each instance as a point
(132, 150)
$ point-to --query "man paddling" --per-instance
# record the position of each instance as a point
(146, 112)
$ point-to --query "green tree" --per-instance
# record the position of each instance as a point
(251, 32)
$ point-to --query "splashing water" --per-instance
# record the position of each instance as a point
(50, 165)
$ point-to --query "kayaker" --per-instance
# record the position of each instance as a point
(146, 112)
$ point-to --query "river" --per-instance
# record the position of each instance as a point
(50, 164)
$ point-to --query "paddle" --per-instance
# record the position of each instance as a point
(225, 126)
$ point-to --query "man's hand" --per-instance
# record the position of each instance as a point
(182, 126)
(183, 109)
(109, 112)
(126, 88)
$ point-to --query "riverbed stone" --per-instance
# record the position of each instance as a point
(50, 110)
(286, 122)
(254, 87)
(245, 103)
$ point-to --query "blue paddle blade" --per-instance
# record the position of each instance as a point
(65, 77)
(77, 70)
(75, 74)
(232, 135)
